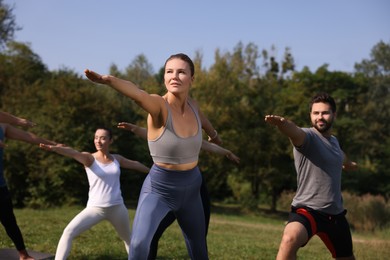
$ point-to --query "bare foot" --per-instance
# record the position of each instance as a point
(23, 255)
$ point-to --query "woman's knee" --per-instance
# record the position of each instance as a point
(138, 249)
(70, 232)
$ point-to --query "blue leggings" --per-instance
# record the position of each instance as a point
(170, 218)
(166, 191)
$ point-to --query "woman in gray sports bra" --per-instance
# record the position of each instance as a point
(174, 138)
(170, 217)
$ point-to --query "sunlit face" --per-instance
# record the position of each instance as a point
(177, 76)
(102, 139)
(322, 117)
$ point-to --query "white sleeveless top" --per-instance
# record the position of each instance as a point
(104, 184)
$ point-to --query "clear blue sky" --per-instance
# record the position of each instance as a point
(79, 34)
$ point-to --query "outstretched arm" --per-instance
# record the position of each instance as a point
(288, 128)
(210, 130)
(210, 147)
(82, 157)
(14, 120)
(130, 164)
(207, 126)
(349, 165)
(15, 133)
(137, 130)
(153, 104)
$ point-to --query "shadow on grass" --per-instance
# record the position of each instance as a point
(131, 204)
(111, 257)
(162, 257)
(100, 257)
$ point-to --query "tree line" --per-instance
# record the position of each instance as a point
(235, 93)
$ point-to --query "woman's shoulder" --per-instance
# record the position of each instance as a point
(160, 100)
(117, 157)
(157, 97)
(90, 158)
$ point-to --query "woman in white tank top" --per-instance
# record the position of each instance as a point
(105, 200)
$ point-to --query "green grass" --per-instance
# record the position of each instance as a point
(232, 235)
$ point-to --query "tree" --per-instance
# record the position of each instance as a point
(379, 64)
(236, 97)
(373, 107)
(7, 24)
(20, 67)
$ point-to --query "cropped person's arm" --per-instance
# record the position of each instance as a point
(14, 120)
(15, 133)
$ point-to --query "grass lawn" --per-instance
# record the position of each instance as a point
(232, 235)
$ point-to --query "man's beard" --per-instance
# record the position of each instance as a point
(325, 127)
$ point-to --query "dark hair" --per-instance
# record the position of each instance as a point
(105, 129)
(323, 98)
(185, 58)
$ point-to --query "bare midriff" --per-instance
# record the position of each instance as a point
(179, 167)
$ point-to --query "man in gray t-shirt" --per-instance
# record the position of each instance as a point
(317, 208)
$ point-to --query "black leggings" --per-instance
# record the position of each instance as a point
(170, 218)
(8, 219)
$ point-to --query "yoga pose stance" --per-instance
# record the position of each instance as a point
(170, 217)
(317, 208)
(7, 216)
(105, 200)
(174, 139)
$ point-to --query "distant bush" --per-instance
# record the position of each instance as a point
(367, 212)
(242, 192)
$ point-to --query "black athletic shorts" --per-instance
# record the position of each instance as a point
(333, 230)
